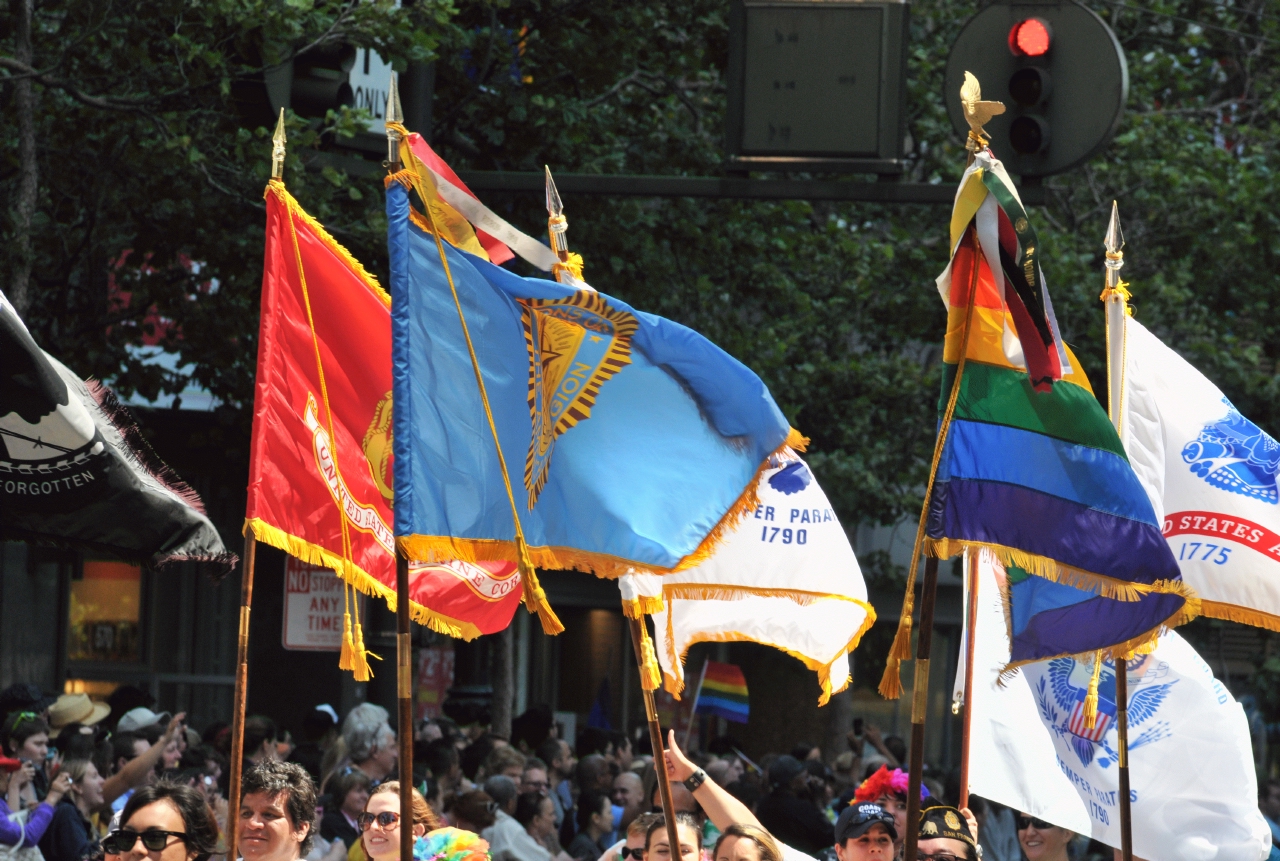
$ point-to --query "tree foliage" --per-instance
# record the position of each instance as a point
(149, 162)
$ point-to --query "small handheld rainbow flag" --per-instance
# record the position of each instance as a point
(722, 692)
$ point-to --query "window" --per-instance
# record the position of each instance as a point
(104, 613)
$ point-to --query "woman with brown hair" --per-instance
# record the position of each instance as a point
(743, 842)
(380, 821)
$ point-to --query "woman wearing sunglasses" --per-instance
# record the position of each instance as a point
(380, 822)
(1043, 841)
(164, 822)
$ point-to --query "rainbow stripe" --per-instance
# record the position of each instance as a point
(723, 693)
(1040, 477)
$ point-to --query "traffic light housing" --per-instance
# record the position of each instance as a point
(1060, 72)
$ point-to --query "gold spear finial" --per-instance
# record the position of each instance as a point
(557, 225)
(977, 112)
(393, 114)
(278, 141)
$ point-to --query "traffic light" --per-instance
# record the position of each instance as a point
(1060, 72)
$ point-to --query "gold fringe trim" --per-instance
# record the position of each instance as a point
(314, 554)
(573, 265)
(1236, 613)
(645, 605)
(1048, 569)
(675, 686)
(277, 188)
(404, 177)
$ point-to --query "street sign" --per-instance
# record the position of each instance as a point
(369, 78)
(313, 608)
(1060, 72)
(817, 85)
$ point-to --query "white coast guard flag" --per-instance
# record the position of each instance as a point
(786, 577)
(1211, 475)
(1192, 784)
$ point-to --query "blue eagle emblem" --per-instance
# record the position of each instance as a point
(792, 478)
(1236, 455)
(1061, 697)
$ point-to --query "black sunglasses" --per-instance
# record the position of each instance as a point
(1025, 822)
(637, 853)
(120, 842)
(941, 856)
(385, 819)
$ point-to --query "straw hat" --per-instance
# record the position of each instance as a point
(76, 708)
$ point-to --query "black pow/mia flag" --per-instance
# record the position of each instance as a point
(75, 471)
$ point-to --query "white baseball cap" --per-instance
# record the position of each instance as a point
(140, 718)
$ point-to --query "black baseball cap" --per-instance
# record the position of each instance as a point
(857, 819)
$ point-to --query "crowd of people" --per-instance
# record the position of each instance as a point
(82, 780)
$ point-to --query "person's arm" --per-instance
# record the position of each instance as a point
(721, 808)
(17, 781)
(873, 735)
(38, 821)
(135, 771)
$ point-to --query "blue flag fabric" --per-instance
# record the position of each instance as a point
(631, 442)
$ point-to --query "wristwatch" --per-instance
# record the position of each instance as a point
(693, 781)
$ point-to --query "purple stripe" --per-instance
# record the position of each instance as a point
(1050, 526)
(1090, 625)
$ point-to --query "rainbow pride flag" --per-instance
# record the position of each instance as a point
(723, 692)
(1032, 468)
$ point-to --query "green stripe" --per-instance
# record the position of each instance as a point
(1004, 396)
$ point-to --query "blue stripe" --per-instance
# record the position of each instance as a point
(1085, 627)
(708, 703)
(1082, 474)
(1038, 595)
(1045, 525)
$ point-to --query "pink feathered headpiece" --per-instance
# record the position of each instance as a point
(886, 782)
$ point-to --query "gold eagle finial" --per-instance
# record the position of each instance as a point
(977, 112)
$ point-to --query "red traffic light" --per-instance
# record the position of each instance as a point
(1030, 37)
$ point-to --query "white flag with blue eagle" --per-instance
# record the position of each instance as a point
(1193, 790)
(1211, 476)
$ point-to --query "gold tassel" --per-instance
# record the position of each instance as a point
(535, 599)
(891, 681)
(1091, 698)
(361, 669)
(650, 675)
(346, 658)
(573, 266)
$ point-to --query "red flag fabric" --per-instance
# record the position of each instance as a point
(498, 252)
(320, 471)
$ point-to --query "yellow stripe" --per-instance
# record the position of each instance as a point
(966, 206)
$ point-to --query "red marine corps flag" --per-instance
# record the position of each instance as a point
(320, 473)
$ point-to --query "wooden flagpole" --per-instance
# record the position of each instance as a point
(638, 635)
(1115, 300)
(970, 636)
(241, 694)
(920, 704)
